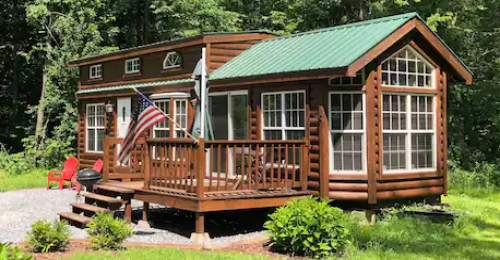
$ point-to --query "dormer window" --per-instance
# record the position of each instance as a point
(407, 68)
(132, 66)
(172, 60)
(95, 71)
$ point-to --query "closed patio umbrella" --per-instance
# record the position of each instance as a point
(196, 129)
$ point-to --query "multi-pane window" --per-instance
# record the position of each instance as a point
(95, 71)
(133, 66)
(172, 60)
(181, 115)
(283, 114)
(408, 132)
(162, 129)
(347, 130)
(407, 68)
(94, 127)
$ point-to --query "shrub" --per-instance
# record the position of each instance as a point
(107, 232)
(9, 252)
(48, 236)
(308, 227)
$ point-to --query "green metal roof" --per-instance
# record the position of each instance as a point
(138, 86)
(333, 47)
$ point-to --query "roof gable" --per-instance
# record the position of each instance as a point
(349, 46)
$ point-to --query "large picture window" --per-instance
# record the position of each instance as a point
(284, 115)
(407, 68)
(347, 129)
(94, 127)
(408, 132)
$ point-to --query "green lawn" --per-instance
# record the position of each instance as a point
(475, 236)
(32, 179)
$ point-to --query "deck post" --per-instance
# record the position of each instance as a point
(200, 237)
(304, 165)
(147, 166)
(324, 158)
(105, 171)
(200, 173)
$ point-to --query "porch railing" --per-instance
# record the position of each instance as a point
(210, 167)
(113, 170)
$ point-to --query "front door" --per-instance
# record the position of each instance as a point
(229, 120)
(123, 117)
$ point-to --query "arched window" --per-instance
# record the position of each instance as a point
(407, 68)
(172, 60)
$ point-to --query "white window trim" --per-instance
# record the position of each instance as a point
(176, 100)
(282, 127)
(409, 131)
(91, 74)
(423, 59)
(165, 67)
(94, 128)
(132, 71)
(155, 127)
(363, 139)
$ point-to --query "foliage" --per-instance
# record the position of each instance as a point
(108, 232)
(32, 179)
(484, 178)
(9, 252)
(46, 236)
(308, 227)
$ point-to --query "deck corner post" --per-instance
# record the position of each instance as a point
(105, 171)
(305, 169)
(200, 173)
(147, 165)
(199, 236)
(324, 158)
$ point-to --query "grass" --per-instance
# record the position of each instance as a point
(33, 179)
(166, 254)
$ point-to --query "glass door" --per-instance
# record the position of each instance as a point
(230, 122)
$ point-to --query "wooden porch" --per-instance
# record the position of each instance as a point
(199, 176)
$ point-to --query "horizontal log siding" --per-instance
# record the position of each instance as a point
(220, 53)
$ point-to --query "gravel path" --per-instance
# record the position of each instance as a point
(20, 209)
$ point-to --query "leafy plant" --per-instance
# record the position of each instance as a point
(107, 232)
(46, 236)
(9, 252)
(308, 227)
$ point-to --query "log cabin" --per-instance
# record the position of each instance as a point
(355, 113)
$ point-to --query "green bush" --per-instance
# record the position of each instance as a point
(484, 177)
(48, 236)
(308, 227)
(9, 252)
(107, 232)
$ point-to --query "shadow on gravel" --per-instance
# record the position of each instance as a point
(219, 224)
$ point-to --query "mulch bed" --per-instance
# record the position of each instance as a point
(257, 247)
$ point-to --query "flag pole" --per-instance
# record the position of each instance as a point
(168, 117)
(203, 90)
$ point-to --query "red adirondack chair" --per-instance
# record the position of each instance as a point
(66, 174)
(97, 167)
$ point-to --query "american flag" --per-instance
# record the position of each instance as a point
(146, 115)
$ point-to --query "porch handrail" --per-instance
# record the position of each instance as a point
(180, 165)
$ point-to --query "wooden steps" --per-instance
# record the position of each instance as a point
(75, 219)
(107, 198)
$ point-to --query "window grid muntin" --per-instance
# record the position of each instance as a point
(274, 107)
(94, 124)
(399, 66)
(348, 132)
(172, 60)
(409, 132)
(132, 66)
(181, 117)
(162, 129)
(95, 71)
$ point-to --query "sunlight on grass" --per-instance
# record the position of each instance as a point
(33, 179)
(166, 254)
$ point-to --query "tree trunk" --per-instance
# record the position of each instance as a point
(40, 114)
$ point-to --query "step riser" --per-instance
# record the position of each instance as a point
(73, 223)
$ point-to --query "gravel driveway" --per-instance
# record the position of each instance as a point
(20, 209)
